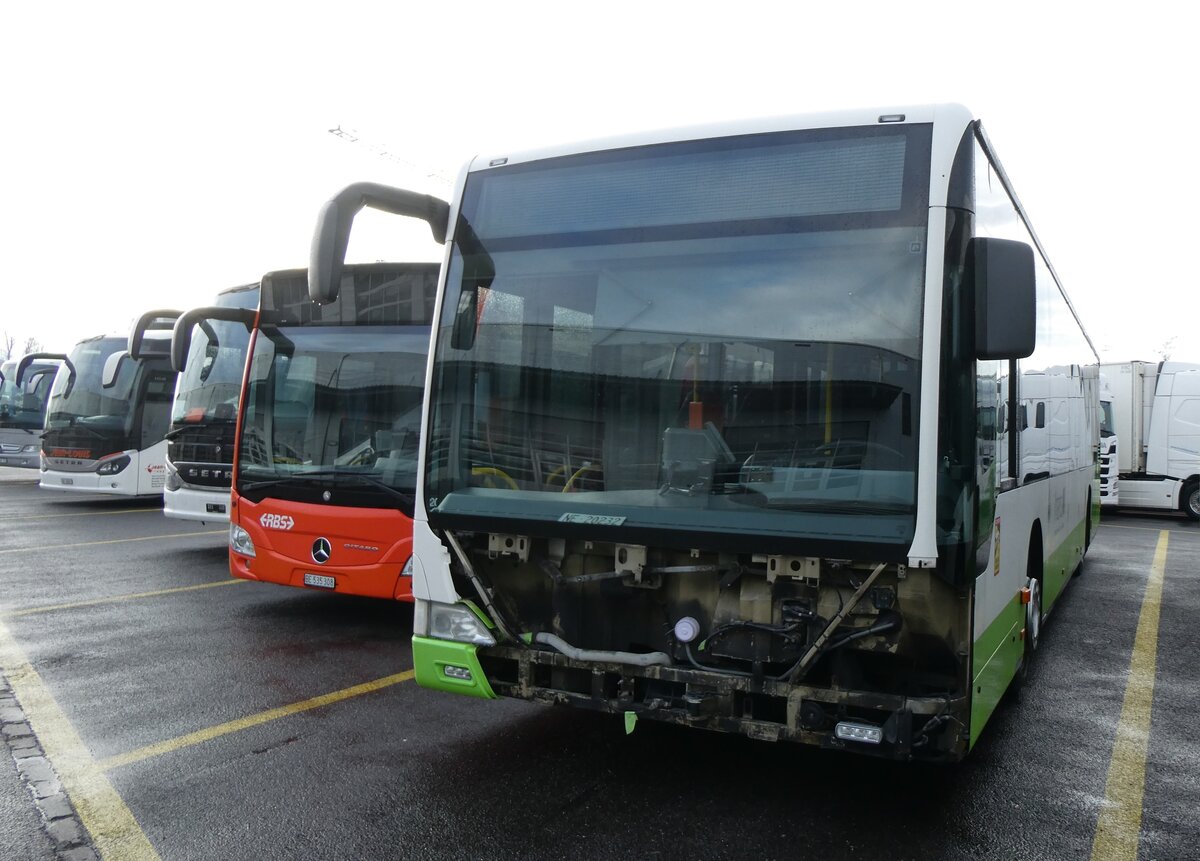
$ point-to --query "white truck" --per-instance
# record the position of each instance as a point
(1110, 496)
(1156, 412)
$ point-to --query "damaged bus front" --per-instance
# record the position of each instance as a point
(685, 457)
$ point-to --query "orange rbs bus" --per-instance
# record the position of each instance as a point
(328, 429)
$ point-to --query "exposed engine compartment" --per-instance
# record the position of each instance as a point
(714, 638)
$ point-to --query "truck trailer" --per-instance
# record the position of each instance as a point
(1156, 415)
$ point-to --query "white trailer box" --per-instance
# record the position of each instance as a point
(1156, 412)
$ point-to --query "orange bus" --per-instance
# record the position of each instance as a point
(325, 470)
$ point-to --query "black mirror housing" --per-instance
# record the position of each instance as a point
(159, 320)
(332, 236)
(1003, 276)
(181, 335)
(30, 358)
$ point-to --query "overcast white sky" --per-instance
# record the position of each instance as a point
(154, 154)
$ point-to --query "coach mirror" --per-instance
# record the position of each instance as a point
(1002, 272)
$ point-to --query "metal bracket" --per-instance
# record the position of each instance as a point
(630, 558)
(500, 544)
(795, 567)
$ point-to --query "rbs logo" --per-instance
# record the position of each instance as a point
(276, 521)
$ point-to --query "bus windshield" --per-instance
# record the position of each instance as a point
(335, 406)
(212, 379)
(582, 374)
(24, 406)
(88, 405)
(93, 420)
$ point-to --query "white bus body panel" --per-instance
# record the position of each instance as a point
(189, 503)
(145, 476)
(13, 445)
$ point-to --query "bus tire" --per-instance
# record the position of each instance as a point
(1032, 635)
(1190, 501)
(1087, 535)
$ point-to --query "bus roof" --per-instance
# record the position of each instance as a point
(952, 113)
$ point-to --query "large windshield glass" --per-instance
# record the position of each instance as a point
(132, 413)
(716, 335)
(24, 406)
(336, 404)
(82, 401)
(1108, 426)
(212, 379)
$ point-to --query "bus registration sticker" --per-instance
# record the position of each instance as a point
(321, 580)
(996, 549)
(592, 519)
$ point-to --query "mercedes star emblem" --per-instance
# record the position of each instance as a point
(321, 551)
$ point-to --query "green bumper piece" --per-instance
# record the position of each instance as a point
(432, 657)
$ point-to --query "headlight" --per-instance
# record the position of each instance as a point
(29, 449)
(239, 540)
(112, 467)
(174, 482)
(456, 622)
(406, 571)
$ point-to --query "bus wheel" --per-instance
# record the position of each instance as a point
(1191, 500)
(1033, 618)
(1033, 633)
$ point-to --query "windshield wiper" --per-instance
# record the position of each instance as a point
(75, 427)
(366, 478)
(360, 477)
(174, 432)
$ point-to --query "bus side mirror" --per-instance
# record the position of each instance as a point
(157, 320)
(112, 368)
(181, 335)
(1001, 271)
(29, 359)
(328, 254)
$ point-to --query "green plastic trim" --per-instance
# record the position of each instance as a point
(995, 656)
(483, 617)
(431, 657)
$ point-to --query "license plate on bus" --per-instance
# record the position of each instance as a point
(319, 580)
(68, 481)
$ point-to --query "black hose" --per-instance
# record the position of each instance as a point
(878, 628)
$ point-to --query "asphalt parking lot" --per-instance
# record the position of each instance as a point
(154, 708)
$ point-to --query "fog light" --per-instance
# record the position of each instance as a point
(460, 673)
(858, 732)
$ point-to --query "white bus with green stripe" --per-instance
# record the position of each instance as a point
(783, 428)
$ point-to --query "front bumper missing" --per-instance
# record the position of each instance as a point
(764, 709)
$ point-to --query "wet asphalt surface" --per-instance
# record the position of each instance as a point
(403, 772)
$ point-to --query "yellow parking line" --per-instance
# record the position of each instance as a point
(232, 726)
(44, 548)
(80, 514)
(117, 598)
(114, 830)
(1121, 816)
